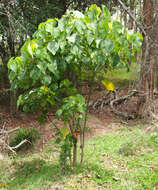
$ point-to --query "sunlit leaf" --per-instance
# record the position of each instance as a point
(107, 46)
(108, 85)
(47, 80)
(53, 47)
(41, 25)
(64, 132)
(106, 12)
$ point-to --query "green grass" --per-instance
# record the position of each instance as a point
(122, 78)
(126, 159)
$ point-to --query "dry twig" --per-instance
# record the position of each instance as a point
(4, 137)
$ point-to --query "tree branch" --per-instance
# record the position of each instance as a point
(20, 144)
(132, 16)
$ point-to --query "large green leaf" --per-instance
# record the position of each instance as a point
(117, 27)
(64, 132)
(52, 67)
(62, 45)
(62, 23)
(42, 24)
(90, 37)
(42, 65)
(74, 50)
(69, 58)
(42, 54)
(50, 25)
(115, 59)
(106, 12)
(80, 26)
(14, 64)
(65, 83)
(53, 47)
(94, 12)
(35, 74)
(49, 28)
(56, 32)
(72, 38)
(14, 67)
(47, 80)
(107, 46)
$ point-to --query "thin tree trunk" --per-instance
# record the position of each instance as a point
(75, 152)
(131, 22)
(13, 99)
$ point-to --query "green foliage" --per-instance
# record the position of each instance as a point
(36, 100)
(127, 149)
(71, 113)
(65, 153)
(74, 44)
(154, 138)
(73, 107)
(30, 134)
(53, 64)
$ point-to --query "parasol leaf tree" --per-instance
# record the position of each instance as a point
(52, 65)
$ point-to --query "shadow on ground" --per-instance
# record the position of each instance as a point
(39, 174)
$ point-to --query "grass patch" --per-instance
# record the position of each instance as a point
(122, 74)
(122, 78)
(126, 159)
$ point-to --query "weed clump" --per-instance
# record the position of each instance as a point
(154, 138)
(127, 149)
(30, 134)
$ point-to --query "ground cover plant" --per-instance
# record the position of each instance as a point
(31, 135)
(125, 158)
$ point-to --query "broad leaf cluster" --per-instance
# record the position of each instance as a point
(62, 54)
(63, 49)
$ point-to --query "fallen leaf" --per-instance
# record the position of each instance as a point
(152, 167)
(36, 166)
(2, 185)
(108, 85)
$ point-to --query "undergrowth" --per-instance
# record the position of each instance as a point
(30, 134)
(122, 160)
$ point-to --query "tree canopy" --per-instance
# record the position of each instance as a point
(63, 49)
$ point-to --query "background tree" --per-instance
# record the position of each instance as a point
(146, 105)
(19, 20)
(149, 58)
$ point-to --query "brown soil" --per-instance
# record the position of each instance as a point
(98, 123)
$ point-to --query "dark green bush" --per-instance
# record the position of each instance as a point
(30, 134)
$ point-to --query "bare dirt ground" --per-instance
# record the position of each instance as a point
(98, 123)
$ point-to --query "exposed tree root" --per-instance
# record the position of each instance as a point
(113, 100)
(119, 100)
